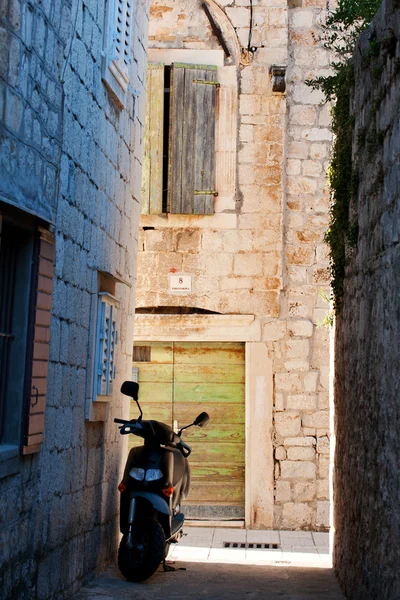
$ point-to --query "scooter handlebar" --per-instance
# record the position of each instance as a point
(184, 449)
(136, 427)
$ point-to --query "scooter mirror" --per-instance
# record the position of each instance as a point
(201, 420)
(130, 388)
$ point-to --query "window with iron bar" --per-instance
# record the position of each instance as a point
(16, 277)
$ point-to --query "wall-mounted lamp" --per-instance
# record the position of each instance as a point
(278, 75)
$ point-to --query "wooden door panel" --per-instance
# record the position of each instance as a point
(181, 381)
(197, 353)
(155, 392)
(213, 493)
(155, 386)
(215, 431)
(217, 452)
(153, 412)
(209, 393)
(209, 373)
(210, 377)
(149, 372)
(156, 411)
(204, 472)
(219, 413)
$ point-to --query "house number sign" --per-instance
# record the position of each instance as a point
(179, 283)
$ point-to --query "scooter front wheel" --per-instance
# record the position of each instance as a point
(141, 560)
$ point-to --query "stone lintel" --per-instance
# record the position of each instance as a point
(207, 328)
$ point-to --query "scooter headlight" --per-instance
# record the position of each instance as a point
(153, 474)
(137, 474)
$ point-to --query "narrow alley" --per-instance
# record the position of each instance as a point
(199, 226)
(290, 565)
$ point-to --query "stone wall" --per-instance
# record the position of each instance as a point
(262, 253)
(72, 157)
(366, 478)
(32, 42)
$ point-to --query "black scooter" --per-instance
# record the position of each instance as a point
(156, 479)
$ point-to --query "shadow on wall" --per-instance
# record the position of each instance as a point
(175, 310)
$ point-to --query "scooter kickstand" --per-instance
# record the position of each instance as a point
(168, 568)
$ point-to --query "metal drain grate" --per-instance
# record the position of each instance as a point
(253, 545)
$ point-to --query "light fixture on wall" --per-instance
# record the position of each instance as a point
(278, 75)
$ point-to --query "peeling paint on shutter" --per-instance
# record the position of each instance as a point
(152, 172)
(191, 178)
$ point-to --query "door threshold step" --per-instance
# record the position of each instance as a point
(239, 524)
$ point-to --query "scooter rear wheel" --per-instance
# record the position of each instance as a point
(148, 546)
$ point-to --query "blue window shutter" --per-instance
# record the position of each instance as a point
(106, 340)
(111, 351)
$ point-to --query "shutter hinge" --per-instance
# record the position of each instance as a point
(205, 193)
(207, 82)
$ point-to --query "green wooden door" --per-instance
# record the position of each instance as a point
(182, 379)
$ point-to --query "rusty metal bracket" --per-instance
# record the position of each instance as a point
(205, 193)
(203, 81)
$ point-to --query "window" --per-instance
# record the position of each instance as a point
(117, 47)
(26, 273)
(179, 145)
(15, 275)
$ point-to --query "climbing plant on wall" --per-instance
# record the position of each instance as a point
(340, 32)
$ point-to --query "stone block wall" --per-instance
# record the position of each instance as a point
(72, 157)
(32, 42)
(263, 253)
(302, 371)
(366, 476)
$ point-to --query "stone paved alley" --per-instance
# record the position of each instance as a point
(297, 570)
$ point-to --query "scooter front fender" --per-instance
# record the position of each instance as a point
(158, 503)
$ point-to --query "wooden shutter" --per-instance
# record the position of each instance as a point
(192, 139)
(34, 424)
(152, 172)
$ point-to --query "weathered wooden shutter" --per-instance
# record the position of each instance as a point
(152, 172)
(191, 178)
(34, 422)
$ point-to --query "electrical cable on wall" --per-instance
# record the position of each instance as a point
(249, 48)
